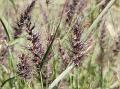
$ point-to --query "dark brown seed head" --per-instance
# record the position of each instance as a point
(65, 58)
(77, 44)
(24, 67)
(36, 49)
(3, 51)
(24, 20)
(116, 50)
(103, 35)
(77, 6)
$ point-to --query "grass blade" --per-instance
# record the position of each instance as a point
(8, 80)
(49, 47)
(61, 76)
(98, 19)
(6, 27)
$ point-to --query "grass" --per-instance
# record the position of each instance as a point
(59, 44)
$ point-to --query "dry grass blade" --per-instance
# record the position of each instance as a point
(94, 24)
(66, 71)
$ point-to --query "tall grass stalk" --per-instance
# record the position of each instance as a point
(69, 29)
(98, 19)
(61, 76)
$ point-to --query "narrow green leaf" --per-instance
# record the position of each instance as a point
(7, 27)
(54, 36)
(48, 49)
(8, 80)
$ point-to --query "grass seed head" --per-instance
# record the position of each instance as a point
(24, 20)
(24, 67)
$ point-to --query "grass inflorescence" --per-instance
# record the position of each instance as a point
(59, 44)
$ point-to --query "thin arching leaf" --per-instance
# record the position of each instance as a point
(7, 28)
(8, 80)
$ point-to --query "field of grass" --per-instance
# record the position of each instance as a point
(59, 44)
